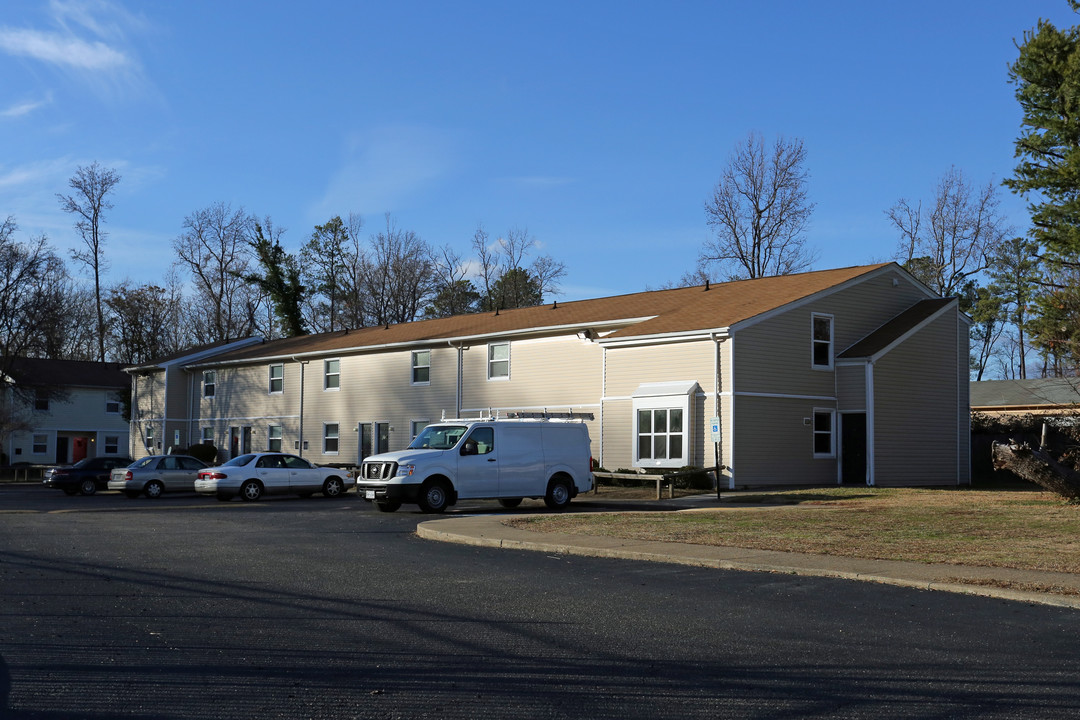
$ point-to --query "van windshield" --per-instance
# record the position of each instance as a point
(438, 437)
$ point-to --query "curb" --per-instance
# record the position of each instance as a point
(428, 531)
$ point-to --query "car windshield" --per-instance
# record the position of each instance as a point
(83, 463)
(145, 462)
(437, 437)
(238, 461)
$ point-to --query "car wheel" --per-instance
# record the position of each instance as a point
(387, 505)
(251, 490)
(510, 502)
(70, 490)
(154, 489)
(132, 493)
(558, 494)
(434, 496)
(88, 486)
(333, 487)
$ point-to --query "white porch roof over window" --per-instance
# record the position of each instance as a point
(677, 387)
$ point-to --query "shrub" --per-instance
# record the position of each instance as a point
(201, 451)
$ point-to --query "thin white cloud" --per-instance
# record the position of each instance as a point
(384, 167)
(540, 180)
(26, 107)
(64, 50)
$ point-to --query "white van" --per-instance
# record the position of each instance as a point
(499, 459)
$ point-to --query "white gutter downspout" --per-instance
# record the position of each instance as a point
(717, 452)
(302, 363)
(870, 480)
(458, 383)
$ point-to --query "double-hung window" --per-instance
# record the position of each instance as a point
(273, 438)
(209, 383)
(40, 444)
(499, 361)
(821, 344)
(112, 444)
(824, 433)
(112, 405)
(207, 436)
(330, 438)
(421, 367)
(41, 400)
(277, 378)
(331, 374)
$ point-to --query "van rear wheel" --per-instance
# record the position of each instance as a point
(434, 496)
(510, 502)
(558, 493)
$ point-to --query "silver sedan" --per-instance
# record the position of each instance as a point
(156, 475)
(255, 474)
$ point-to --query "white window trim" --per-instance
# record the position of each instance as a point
(203, 435)
(109, 400)
(413, 366)
(336, 437)
(115, 444)
(211, 384)
(416, 427)
(33, 443)
(831, 412)
(500, 378)
(661, 402)
(832, 341)
(280, 438)
(327, 375)
(270, 379)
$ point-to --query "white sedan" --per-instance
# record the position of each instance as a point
(252, 475)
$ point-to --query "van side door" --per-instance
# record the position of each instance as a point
(521, 471)
(478, 463)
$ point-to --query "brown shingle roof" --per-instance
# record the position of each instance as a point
(641, 314)
(892, 330)
(74, 373)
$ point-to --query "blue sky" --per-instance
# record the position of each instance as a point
(601, 127)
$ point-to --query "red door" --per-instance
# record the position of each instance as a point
(78, 449)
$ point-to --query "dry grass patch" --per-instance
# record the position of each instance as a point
(1014, 529)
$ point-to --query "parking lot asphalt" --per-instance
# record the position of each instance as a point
(1047, 588)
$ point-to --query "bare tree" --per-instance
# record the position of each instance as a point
(948, 245)
(759, 211)
(92, 186)
(214, 250)
(146, 321)
(454, 293)
(398, 276)
(507, 281)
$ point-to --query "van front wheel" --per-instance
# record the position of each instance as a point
(558, 493)
(510, 502)
(434, 496)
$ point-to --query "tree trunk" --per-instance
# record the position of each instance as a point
(1038, 467)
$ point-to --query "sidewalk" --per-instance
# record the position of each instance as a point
(488, 531)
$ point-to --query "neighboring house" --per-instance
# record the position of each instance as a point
(1038, 396)
(821, 377)
(75, 411)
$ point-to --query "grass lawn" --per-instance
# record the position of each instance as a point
(1026, 529)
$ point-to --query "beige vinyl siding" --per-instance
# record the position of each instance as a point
(556, 373)
(915, 401)
(963, 340)
(773, 445)
(629, 367)
(618, 451)
(774, 355)
(851, 388)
